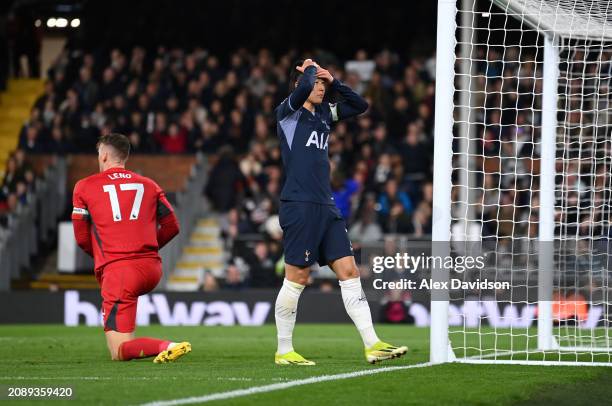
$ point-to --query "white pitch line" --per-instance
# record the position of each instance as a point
(279, 386)
(495, 354)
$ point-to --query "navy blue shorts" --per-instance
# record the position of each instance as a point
(313, 232)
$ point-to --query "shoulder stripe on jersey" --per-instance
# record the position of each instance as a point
(333, 107)
(289, 104)
(288, 125)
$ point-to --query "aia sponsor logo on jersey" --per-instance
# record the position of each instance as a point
(318, 140)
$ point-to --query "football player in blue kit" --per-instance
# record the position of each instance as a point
(313, 228)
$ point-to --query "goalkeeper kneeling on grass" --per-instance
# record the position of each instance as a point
(122, 219)
(313, 228)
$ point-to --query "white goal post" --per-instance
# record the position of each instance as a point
(523, 176)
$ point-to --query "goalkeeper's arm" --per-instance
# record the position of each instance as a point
(168, 225)
(81, 220)
(167, 230)
(82, 234)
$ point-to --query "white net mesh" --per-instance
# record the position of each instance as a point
(584, 191)
(584, 19)
(497, 146)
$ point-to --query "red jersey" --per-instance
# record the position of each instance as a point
(119, 214)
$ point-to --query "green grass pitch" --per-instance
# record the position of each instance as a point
(230, 358)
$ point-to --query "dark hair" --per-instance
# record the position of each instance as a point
(294, 74)
(119, 142)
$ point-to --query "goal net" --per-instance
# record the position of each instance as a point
(527, 146)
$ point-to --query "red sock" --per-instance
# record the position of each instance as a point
(141, 348)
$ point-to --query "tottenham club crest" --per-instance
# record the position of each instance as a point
(306, 255)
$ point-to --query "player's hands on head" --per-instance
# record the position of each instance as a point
(305, 64)
(324, 74)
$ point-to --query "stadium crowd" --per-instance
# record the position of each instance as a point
(507, 117)
(15, 190)
(173, 101)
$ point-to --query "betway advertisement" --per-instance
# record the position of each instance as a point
(226, 308)
(156, 308)
(252, 308)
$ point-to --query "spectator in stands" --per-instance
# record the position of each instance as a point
(382, 172)
(415, 157)
(421, 220)
(174, 141)
(11, 208)
(365, 229)
(86, 88)
(235, 224)
(21, 192)
(234, 276)
(343, 192)
(11, 177)
(210, 283)
(392, 195)
(16, 186)
(57, 144)
(31, 141)
(225, 182)
(394, 209)
(261, 267)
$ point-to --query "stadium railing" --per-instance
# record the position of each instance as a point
(189, 205)
(35, 221)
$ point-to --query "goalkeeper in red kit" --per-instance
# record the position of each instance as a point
(122, 219)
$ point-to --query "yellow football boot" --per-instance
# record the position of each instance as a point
(382, 351)
(174, 353)
(291, 358)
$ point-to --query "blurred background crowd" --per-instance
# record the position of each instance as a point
(173, 101)
(189, 99)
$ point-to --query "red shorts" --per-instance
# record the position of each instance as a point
(122, 282)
